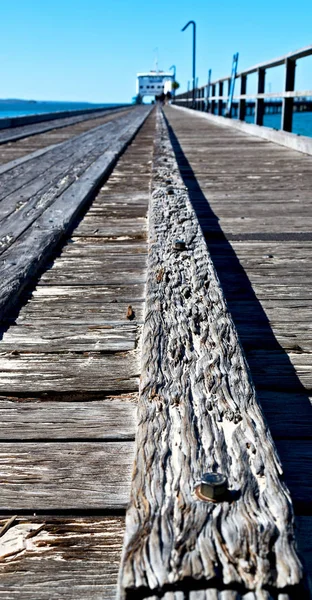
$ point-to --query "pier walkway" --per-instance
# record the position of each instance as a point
(70, 353)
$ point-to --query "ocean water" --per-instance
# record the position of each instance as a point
(302, 122)
(17, 108)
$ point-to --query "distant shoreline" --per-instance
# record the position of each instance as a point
(19, 108)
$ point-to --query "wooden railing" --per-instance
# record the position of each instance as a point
(211, 97)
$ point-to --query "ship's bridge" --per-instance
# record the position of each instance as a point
(154, 83)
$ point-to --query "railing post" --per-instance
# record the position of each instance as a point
(242, 102)
(196, 94)
(287, 106)
(207, 97)
(208, 91)
(213, 102)
(220, 102)
(259, 110)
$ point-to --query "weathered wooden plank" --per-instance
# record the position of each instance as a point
(292, 338)
(90, 294)
(70, 371)
(28, 253)
(258, 226)
(108, 264)
(68, 475)
(63, 335)
(304, 539)
(41, 311)
(92, 274)
(57, 558)
(101, 247)
(111, 418)
(289, 414)
(198, 413)
(296, 456)
(275, 369)
(115, 229)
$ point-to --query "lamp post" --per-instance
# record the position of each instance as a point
(194, 56)
(174, 76)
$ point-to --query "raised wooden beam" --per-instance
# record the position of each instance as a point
(197, 414)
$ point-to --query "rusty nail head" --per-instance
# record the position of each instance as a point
(179, 245)
(213, 486)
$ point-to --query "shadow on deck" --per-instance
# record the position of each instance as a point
(264, 354)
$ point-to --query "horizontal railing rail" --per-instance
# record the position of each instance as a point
(212, 97)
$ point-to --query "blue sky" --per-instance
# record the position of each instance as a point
(90, 50)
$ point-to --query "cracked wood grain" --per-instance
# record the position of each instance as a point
(198, 413)
(54, 557)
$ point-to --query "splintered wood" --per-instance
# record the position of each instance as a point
(198, 413)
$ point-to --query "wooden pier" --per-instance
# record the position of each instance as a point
(89, 304)
(216, 99)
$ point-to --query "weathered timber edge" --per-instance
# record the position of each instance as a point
(198, 413)
(32, 249)
(21, 131)
(9, 122)
(283, 138)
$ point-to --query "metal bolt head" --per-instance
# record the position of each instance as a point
(213, 486)
(179, 245)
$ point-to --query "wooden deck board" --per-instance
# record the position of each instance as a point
(68, 558)
(65, 476)
(95, 371)
(41, 418)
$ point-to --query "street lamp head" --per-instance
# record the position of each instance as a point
(187, 24)
(194, 56)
